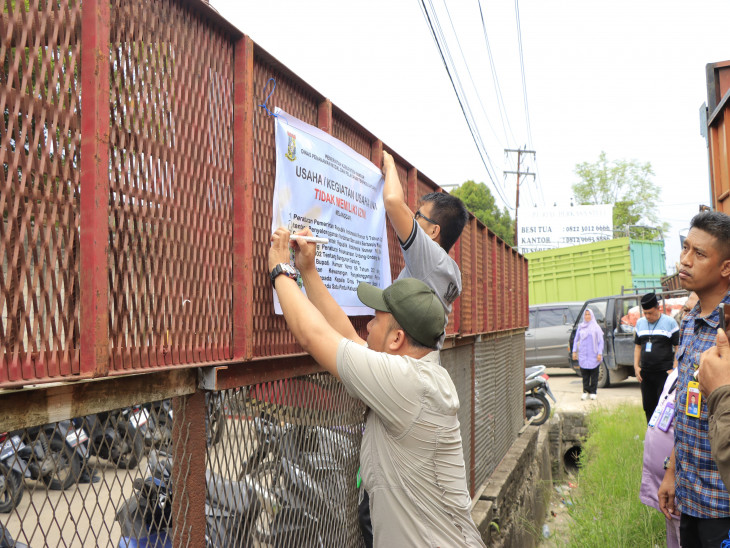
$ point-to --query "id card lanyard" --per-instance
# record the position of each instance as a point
(664, 412)
(647, 346)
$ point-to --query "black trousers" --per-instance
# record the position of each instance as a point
(590, 379)
(363, 516)
(703, 533)
(652, 383)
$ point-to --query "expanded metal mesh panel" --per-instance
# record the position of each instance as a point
(424, 187)
(524, 293)
(40, 140)
(466, 324)
(499, 403)
(354, 137)
(500, 310)
(276, 465)
(287, 465)
(485, 411)
(457, 361)
(489, 265)
(510, 257)
(480, 291)
(87, 481)
(270, 334)
(171, 142)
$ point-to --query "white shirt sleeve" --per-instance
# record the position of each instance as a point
(389, 385)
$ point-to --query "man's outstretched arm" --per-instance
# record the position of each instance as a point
(320, 297)
(400, 215)
(306, 323)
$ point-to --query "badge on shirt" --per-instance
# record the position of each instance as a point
(655, 415)
(647, 347)
(666, 419)
(694, 399)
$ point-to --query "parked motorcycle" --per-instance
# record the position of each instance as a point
(53, 453)
(11, 471)
(153, 421)
(293, 490)
(537, 406)
(112, 437)
(231, 508)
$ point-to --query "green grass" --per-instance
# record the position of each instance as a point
(606, 506)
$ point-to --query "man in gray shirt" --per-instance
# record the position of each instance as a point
(411, 455)
(426, 236)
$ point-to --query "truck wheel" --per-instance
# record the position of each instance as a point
(603, 379)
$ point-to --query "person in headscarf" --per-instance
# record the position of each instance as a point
(588, 350)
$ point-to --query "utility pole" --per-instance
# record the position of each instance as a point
(520, 152)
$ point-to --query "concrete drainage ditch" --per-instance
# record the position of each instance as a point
(511, 507)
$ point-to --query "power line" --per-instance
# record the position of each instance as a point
(445, 54)
(524, 94)
(495, 79)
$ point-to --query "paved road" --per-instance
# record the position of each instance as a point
(568, 387)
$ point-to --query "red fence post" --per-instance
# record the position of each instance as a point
(412, 196)
(473, 273)
(243, 263)
(324, 116)
(94, 182)
(189, 449)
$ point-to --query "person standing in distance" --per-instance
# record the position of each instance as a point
(691, 473)
(656, 337)
(588, 351)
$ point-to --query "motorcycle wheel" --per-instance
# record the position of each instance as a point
(67, 467)
(127, 448)
(544, 414)
(215, 422)
(11, 488)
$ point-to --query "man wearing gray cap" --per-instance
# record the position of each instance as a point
(411, 454)
(656, 337)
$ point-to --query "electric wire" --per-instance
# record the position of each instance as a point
(471, 78)
(498, 89)
(524, 95)
(436, 32)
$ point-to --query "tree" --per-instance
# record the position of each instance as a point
(479, 200)
(626, 184)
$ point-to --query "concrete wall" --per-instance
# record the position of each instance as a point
(510, 508)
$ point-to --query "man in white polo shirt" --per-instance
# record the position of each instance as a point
(411, 454)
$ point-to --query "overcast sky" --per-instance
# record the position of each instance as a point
(622, 76)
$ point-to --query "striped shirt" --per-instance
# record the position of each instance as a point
(699, 489)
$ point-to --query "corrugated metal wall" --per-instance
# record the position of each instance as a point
(718, 104)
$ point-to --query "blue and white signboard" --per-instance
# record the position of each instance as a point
(325, 185)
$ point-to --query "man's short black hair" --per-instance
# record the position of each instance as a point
(716, 224)
(450, 213)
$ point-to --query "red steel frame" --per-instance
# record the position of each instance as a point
(498, 298)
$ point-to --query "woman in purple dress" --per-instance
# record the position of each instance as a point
(588, 350)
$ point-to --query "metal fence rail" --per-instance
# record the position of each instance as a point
(267, 464)
(134, 291)
(134, 230)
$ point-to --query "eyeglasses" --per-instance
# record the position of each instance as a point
(419, 214)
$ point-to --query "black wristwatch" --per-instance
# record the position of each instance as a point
(286, 269)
